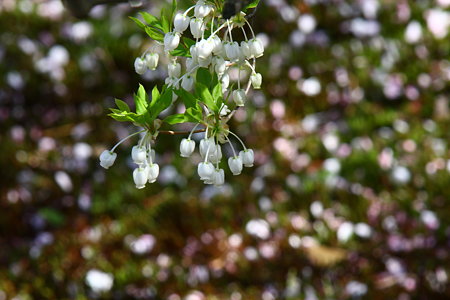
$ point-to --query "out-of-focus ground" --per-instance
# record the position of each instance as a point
(348, 198)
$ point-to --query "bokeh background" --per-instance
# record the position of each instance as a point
(348, 199)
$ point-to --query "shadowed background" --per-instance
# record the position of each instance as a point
(348, 198)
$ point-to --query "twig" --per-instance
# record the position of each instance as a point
(179, 132)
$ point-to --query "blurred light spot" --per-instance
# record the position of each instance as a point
(330, 141)
(143, 244)
(332, 165)
(81, 31)
(235, 240)
(310, 86)
(268, 250)
(363, 230)
(82, 151)
(310, 123)
(413, 32)
(294, 241)
(306, 23)
(297, 38)
(430, 219)
(251, 253)
(356, 289)
(438, 22)
(15, 80)
(258, 228)
(277, 108)
(364, 28)
(64, 181)
(401, 175)
(345, 231)
(99, 281)
(316, 209)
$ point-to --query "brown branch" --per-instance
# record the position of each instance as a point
(179, 132)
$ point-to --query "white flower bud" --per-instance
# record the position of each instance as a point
(190, 64)
(204, 62)
(151, 60)
(216, 155)
(235, 164)
(239, 97)
(245, 49)
(205, 48)
(225, 81)
(139, 155)
(205, 170)
(256, 47)
(107, 159)
(201, 9)
(256, 80)
(218, 177)
(174, 69)
(139, 66)
(247, 157)
(153, 172)
(187, 146)
(171, 41)
(197, 27)
(220, 65)
(180, 22)
(206, 144)
(194, 52)
(140, 177)
(232, 50)
(187, 83)
(224, 110)
(218, 47)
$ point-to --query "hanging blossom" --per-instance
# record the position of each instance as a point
(199, 62)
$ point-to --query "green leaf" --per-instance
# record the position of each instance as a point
(155, 96)
(122, 105)
(205, 96)
(154, 33)
(138, 22)
(172, 13)
(164, 21)
(204, 76)
(141, 100)
(161, 104)
(176, 119)
(195, 114)
(252, 4)
(124, 116)
(151, 20)
(52, 216)
(188, 99)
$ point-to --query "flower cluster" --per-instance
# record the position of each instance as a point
(200, 60)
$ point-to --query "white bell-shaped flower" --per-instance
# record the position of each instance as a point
(218, 177)
(235, 164)
(197, 27)
(202, 9)
(245, 49)
(248, 157)
(171, 41)
(220, 65)
(107, 159)
(205, 48)
(151, 60)
(205, 170)
(140, 66)
(225, 82)
(204, 62)
(216, 155)
(140, 177)
(239, 97)
(194, 52)
(206, 144)
(180, 22)
(187, 146)
(153, 172)
(256, 79)
(224, 110)
(139, 154)
(187, 83)
(190, 64)
(256, 47)
(232, 51)
(218, 47)
(174, 69)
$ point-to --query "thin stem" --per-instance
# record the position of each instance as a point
(249, 26)
(192, 131)
(231, 145)
(170, 132)
(218, 29)
(245, 35)
(125, 138)
(187, 74)
(242, 143)
(229, 31)
(187, 10)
